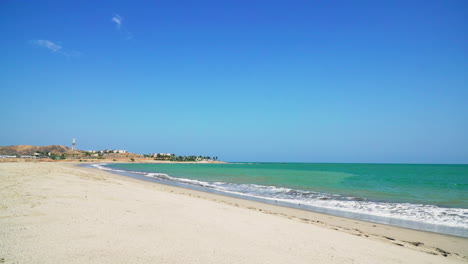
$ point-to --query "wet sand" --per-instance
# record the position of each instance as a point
(61, 213)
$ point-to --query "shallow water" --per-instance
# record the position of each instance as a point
(428, 197)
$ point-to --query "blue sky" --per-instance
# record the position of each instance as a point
(305, 81)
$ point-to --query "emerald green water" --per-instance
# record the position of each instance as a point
(430, 194)
(444, 185)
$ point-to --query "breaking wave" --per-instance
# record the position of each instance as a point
(421, 213)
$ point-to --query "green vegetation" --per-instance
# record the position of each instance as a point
(191, 158)
(56, 152)
(160, 156)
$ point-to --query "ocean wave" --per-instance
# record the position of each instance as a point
(422, 213)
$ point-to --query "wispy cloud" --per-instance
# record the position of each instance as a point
(118, 20)
(55, 48)
(48, 44)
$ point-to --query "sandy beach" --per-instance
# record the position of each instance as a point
(62, 213)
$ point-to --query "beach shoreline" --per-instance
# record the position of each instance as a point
(32, 191)
(164, 177)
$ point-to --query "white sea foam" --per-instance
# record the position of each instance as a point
(421, 213)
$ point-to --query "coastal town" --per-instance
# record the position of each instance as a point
(64, 153)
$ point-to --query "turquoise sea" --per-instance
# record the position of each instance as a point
(432, 196)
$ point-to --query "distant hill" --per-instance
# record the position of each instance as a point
(29, 150)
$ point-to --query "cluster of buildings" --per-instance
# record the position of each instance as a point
(104, 151)
(18, 156)
(74, 153)
(157, 155)
(107, 151)
(34, 156)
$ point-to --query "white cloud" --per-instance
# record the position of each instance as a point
(55, 48)
(117, 20)
(48, 44)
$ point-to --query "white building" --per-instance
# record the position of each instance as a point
(160, 154)
(7, 156)
(112, 151)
